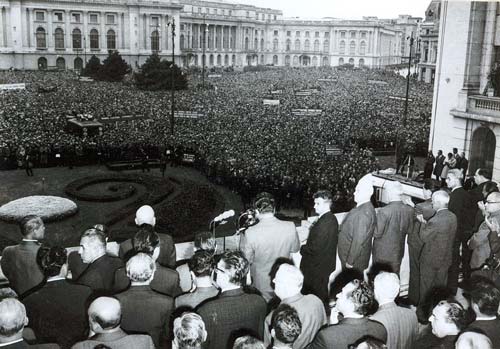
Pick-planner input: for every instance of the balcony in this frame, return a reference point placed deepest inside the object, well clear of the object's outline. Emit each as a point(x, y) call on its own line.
point(480, 108)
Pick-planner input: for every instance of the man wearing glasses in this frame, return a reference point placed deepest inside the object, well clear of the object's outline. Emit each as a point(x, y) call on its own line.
point(233, 310)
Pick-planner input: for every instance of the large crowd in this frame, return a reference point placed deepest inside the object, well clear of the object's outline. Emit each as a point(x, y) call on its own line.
point(239, 139)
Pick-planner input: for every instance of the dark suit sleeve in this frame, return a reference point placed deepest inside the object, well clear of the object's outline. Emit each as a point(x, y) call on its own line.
point(428, 233)
point(317, 235)
point(76, 265)
point(121, 282)
point(381, 225)
point(360, 228)
point(170, 253)
point(318, 342)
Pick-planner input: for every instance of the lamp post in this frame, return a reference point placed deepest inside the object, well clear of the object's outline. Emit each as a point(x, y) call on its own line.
point(172, 81)
point(203, 57)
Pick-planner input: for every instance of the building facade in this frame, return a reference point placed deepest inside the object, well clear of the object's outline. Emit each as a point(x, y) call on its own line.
point(466, 113)
point(62, 34)
point(428, 42)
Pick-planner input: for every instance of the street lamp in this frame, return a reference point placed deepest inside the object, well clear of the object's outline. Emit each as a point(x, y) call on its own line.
point(172, 82)
point(205, 31)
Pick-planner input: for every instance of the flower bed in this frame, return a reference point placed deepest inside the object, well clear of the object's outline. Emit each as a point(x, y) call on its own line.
point(49, 208)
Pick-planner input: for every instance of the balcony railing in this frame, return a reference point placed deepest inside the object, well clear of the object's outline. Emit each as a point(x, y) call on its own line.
point(482, 105)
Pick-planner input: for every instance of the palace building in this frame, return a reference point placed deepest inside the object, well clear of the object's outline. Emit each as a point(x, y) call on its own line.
point(60, 34)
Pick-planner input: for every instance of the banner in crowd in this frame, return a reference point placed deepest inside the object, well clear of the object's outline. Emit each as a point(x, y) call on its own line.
point(115, 118)
point(20, 86)
point(377, 82)
point(276, 92)
point(271, 101)
point(188, 158)
point(328, 80)
point(188, 114)
point(400, 98)
point(214, 75)
point(306, 92)
point(307, 112)
point(333, 151)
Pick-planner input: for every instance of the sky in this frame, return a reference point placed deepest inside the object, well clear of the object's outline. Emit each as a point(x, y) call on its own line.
point(345, 9)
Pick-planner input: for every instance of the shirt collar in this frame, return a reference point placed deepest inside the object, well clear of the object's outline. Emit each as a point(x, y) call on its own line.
point(486, 318)
point(456, 188)
point(56, 278)
point(30, 240)
point(9, 343)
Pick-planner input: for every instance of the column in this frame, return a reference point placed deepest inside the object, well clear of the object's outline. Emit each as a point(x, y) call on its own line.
point(85, 32)
point(2, 31)
point(488, 50)
point(50, 31)
point(222, 39)
point(103, 44)
point(68, 42)
point(163, 32)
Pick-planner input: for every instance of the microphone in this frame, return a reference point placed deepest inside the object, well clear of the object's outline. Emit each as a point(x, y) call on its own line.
point(224, 215)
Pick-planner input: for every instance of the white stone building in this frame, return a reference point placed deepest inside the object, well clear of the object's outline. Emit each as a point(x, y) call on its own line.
point(463, 116)
point(428, 43)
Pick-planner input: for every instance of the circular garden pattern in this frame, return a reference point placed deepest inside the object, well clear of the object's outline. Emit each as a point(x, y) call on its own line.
point(49, 208)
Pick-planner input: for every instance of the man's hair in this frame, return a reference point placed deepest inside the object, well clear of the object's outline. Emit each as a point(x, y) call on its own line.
point(486, 296)
point(140, 268)
point(105, 324)
point(146, 240)
point(389, 284)
point(441, 197)
point(189, 331)
point(30, 224)
point(95, 236)
point(265, 203)
point(291, 274)
point(486, 173)
point(370, 342)
point(7, 292)
point(431, 184)
point(455, 314)
point(362, 297)
point(202, 263)
point(472, 339)
point(51, 259)
point(236, 265)
point(323, 194)
point(248, 342)
point(490, 187)
point(456, 173)
point(286, 324)
point(205, 241)
point(12, 317)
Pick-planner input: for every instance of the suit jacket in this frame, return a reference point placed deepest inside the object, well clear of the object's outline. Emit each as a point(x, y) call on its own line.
point(480, 244)
point(347, 332)
point(438, 236)
point(117, 340)
point(25, 345)
point(414, 242)
point(401, 325)
point(146, 311)
point(320, 252)
point(165, 281)
point(233, 310)
point(490, 328)
point(262, 244)
point(100, 274)
point(57, 312)
point(355, 238)
point(394, 221)
point(167, 255)
point(439, 165)
point(460, 205)
point(20, 267)
point(195, 298)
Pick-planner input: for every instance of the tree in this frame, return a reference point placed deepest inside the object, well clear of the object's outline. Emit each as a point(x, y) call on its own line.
point(114, 68)
point(156, 74)
point(92, 67)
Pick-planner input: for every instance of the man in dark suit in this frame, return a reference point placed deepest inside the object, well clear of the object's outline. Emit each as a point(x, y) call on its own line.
point(104, 317)
point(145, 215)
point(144, 310)
point(354, 303)
point(356, 231)
point(12, 321)
point(266, 241)
point(485, 299)
point(394, 222)
point(234, 309)
point(439, 165)
point(100, 271)
point(58, 309)
point(165, 280)
point(437, 235)
point(460, 205)
point(19, 262)
point(320, 252)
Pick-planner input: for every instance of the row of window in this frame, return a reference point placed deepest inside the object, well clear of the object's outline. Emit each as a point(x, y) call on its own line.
point(41, 39)
point(224, 12)
point(352, 47)
point(76, 17)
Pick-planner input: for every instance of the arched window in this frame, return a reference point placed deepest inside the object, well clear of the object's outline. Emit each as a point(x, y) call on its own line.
point(211, 60)
point(111, 40)
point(60, 63)
point(42, 63)
point(288, 45)
point(59, 38)
point(352, 48)
point(362, 48)
point(351, 61)
point(326, 46)
point(341, 61)
point(94, 39)
point(482, 149)
point(361, 62)
point(233, 60)
point(246, 44)
point(325, 62)
point(77, 38)
point(78, 63)
point(262, 61)
point(219, 60)
point(307, 45)
point(155, 41)
point(256, 44)
point(41, 41)
point(316, 45)
point(295, 60)
point(275, 44)
point(342, 47)
point(262, 44)
point(181, 41)
point(275, 60)
point(297, 45)
point(287, 61)
point(226, 60)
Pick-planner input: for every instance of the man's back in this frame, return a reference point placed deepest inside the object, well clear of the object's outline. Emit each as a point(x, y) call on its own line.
point(146, 311)
point(263, 243)
point(117, 340)
point(438, 236)
point(490, 328)
point(233, 310)
point(167, 255)
point(19, 266)
point(100, 274)
point(195, 298)
point(347, 332)
point(401, 325)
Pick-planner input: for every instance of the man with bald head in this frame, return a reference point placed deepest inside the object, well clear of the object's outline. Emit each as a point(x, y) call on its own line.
point(438, 236)
point(144, 310)
point(104, 319)
point(12, 321)
point(19, 262)
point(394, 221)
point(401, 323)
point(145, 216)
